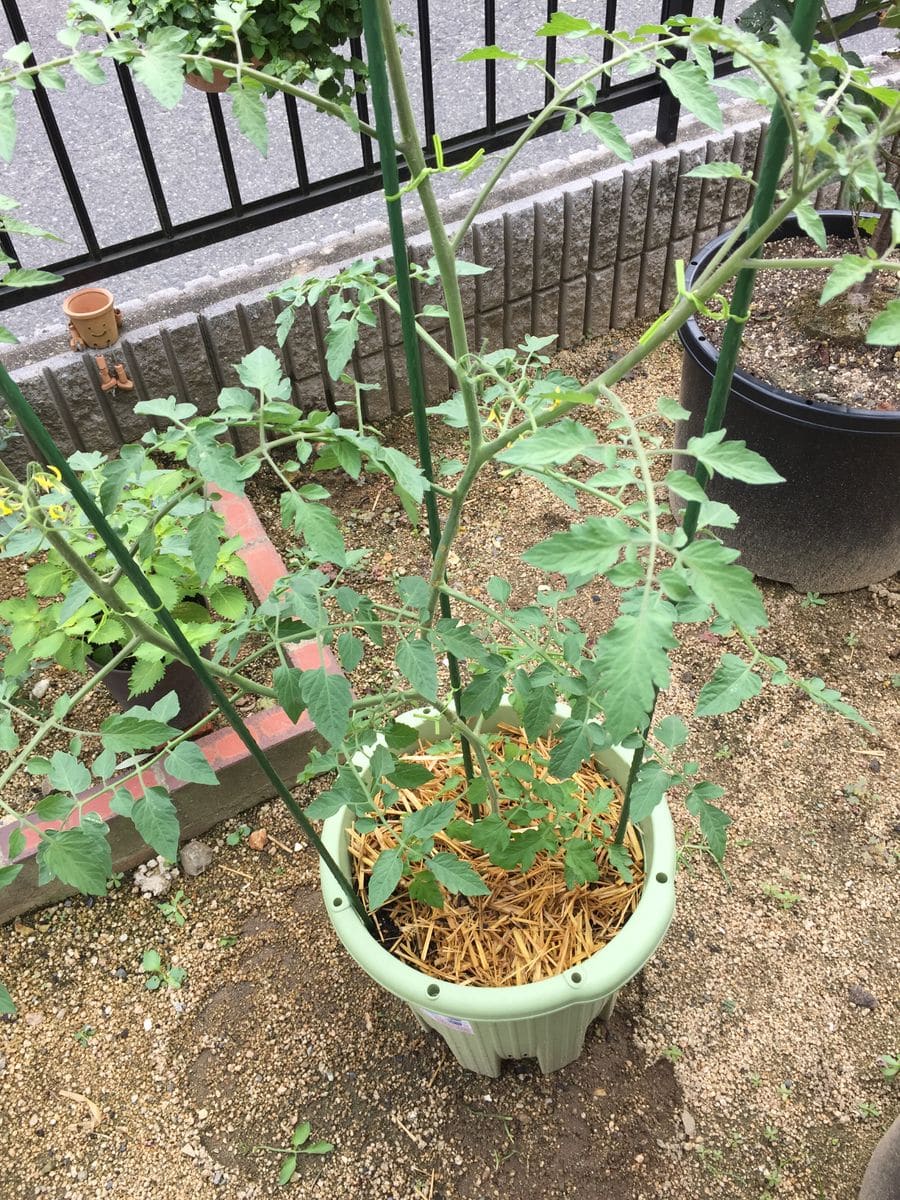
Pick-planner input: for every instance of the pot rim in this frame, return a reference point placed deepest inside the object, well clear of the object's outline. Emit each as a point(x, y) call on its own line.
point(757, 392)
point(87, 314)
point(598, 976)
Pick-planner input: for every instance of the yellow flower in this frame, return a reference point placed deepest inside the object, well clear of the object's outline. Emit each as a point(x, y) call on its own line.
point(7, 504)
point(56, 512)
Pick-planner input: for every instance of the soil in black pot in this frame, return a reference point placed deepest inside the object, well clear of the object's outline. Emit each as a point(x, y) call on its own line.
point(817, 351)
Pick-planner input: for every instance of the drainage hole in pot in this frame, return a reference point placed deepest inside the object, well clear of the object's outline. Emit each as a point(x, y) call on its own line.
point(575, 977)
point(662, 877)
point(337, 901)
point(433, 990)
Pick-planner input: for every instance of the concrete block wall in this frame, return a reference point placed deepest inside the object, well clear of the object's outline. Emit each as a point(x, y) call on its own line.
point(572, 259)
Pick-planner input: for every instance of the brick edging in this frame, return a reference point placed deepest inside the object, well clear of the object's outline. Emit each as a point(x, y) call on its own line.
point(241, 785)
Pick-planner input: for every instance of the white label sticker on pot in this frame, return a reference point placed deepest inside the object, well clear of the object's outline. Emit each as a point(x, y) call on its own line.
point(451, 1022)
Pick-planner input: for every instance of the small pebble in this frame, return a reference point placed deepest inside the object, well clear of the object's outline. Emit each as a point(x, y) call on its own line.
point(861, 997)
point(195, 858)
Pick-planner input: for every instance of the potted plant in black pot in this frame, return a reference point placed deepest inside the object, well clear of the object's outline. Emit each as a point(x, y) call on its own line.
point(815, 391)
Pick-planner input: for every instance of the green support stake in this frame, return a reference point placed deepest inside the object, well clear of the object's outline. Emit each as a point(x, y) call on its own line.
point(50, 453)
point(391, 179)
point(803, 27)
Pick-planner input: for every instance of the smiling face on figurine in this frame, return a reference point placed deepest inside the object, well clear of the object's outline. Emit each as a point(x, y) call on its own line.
point(92, 316)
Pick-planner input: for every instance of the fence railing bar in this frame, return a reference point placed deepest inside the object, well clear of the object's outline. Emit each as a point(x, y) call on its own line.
point(296, 133)
point(145, 150)
point(609, 23)
point(223, 145)
point(57, 141)
point(269, 210)
point(424, 16)
point(6, 245)
point(669, 111)
point(490, 66)
point(362, 111)
point(550, 54)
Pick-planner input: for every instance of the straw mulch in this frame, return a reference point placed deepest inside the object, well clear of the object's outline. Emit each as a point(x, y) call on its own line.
point(531, 926)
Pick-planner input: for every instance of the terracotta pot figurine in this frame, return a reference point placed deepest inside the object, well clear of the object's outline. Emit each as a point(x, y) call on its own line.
point(93, 318)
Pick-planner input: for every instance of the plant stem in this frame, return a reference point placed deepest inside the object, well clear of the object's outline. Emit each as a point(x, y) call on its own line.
point(411, 149)
point(42, 731)
point(390, 177)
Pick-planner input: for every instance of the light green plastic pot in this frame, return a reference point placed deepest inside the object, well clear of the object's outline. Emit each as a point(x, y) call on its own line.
point(546, 1020)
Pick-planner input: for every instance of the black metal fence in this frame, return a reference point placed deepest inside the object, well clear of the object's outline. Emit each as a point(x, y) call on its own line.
point(102, 258)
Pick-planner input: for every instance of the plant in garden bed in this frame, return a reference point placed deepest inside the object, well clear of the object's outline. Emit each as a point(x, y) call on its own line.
point(519, 415)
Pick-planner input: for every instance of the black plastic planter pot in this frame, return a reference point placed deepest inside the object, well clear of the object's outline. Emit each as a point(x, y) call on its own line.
point(194, 699)
point(835, 524)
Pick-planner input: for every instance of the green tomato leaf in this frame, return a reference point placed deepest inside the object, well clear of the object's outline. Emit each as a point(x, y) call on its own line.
point(55, 807)
point(386, 875)
point(415, 660)
point(261, 370)
point(621, 861)
point(80, 858)
point(647, 791)
point(288, 685)
point(811, 223)
point(135, 731)
point(689, 85)
point(459, 640)
point(572, 747)
point(7, 1007)
point(424, 887)
point(885, 329)
point(603, 126)
point(424, 823)
point(288, 1170)
point(582, 551)
point(162, 74)
point(490, 834)
point(328, 699)
point(188, 762)
point(632, 661)
point(732, 459)
point(846, 273)
point(205, 533)
point(156, 820)
point(734, 682)
point(718, 580)
point(538, 712)
point(553, 445)
point(717, 170)
point(68, 774)
point(350, 650)
point(580, 864)
point(714, 822)
point(29, 277)
point(457, 876)
point(250, 114)
point(672, 732)
point(410, 775)
point(8, 875)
